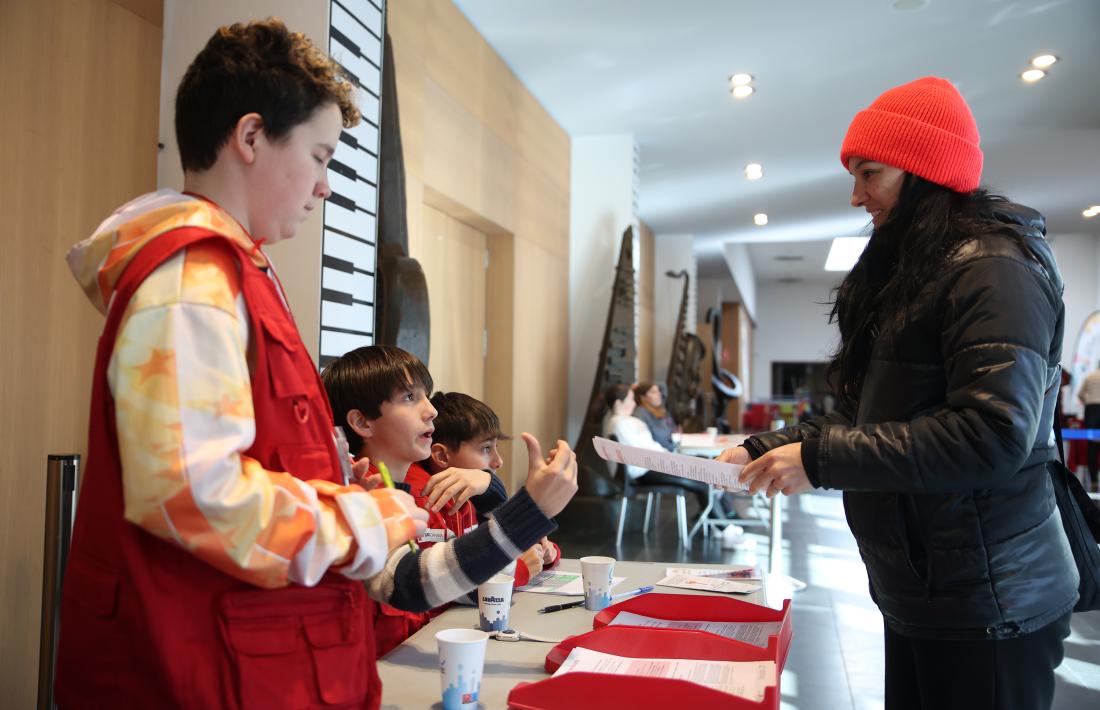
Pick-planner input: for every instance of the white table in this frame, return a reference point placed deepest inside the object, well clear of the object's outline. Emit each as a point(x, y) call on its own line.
point(410, 673)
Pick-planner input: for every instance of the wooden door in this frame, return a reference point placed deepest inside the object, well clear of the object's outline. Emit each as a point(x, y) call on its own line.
point(454, 258)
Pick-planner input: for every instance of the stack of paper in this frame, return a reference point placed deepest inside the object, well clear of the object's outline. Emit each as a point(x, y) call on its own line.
point(746, 679)
point(753, 632)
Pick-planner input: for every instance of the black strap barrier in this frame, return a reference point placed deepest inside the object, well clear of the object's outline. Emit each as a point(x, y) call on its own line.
point(62, 473)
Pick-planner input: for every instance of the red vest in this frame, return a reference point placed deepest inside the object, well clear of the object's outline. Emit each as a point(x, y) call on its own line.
point(146, 624)
point(393, 625)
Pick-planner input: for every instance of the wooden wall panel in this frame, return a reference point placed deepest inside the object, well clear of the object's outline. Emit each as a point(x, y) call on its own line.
point(78, 131)
point(479, 147)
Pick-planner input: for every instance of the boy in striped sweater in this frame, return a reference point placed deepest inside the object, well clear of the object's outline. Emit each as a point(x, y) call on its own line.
point(467, 432)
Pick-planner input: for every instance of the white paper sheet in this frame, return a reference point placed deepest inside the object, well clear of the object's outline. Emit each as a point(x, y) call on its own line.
point(744, 573)
point(709, 584)
point(754, 632)
point(697, 469)
point(566, 583)
point(746, 679)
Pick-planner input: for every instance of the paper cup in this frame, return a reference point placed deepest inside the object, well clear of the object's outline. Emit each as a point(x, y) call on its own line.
point(461, 658)
point(596, 574)
point(494, 598)
point(712, 431)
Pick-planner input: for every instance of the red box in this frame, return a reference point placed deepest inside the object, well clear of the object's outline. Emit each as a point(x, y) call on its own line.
point(684, 607)
point(574, 690)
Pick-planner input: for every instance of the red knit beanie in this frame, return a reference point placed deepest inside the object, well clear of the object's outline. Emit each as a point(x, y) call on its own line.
point(923, 127)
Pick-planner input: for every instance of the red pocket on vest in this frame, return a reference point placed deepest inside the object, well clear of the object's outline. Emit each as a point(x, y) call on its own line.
point(314, 640)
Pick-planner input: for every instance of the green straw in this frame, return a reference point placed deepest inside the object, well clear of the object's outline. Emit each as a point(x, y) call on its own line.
point(387, 481)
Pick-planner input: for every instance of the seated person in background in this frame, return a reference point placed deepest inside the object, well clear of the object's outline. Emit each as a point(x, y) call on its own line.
point(464, 444)
point(380, 395)
point(629, 430)
point(651, 409)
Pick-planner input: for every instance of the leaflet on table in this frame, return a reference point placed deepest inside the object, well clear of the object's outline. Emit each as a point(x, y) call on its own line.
point(735, 573)
point(754, 632)
point(709, 584)
point(568, 583)
point(746, 679)
point(697, 469)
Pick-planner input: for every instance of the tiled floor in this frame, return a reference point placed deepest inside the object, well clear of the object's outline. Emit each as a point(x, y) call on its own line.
point(835, 661)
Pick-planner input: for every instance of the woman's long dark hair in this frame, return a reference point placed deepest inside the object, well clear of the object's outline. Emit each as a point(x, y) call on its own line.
point(925, 228)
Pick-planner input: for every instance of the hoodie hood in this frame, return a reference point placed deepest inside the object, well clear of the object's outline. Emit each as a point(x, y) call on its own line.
point(1030, 225)
point(100, 260)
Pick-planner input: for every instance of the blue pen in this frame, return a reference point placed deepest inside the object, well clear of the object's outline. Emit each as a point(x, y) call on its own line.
point(639, 590)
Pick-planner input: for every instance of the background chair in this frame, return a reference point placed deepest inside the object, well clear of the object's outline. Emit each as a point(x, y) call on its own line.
point(630, 489)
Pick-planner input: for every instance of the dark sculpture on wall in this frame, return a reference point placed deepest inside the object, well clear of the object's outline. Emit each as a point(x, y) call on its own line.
point(683, 367)
point(616, 364)
point(402, 314)
point(727, 386)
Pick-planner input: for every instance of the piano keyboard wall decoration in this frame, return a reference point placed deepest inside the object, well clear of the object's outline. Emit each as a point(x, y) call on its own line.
point(349, 240)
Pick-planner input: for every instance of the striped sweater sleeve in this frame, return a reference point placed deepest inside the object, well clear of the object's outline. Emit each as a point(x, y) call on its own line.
point(180, 380)
point(444, 572)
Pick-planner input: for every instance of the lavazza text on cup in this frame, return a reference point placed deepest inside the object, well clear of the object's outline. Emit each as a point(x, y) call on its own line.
point(494, 598)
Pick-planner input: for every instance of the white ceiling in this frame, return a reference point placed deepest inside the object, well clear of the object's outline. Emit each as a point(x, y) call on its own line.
point(658, 69)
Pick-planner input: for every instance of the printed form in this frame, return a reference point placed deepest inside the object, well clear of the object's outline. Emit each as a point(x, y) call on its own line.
point(709, 584)
point(746, 679)
point(732, 573)
point(705, 470)
point(752, 632)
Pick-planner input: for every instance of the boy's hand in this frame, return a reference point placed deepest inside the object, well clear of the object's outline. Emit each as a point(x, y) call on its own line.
point(532, 559)
point(456, 485)
point(548, 554)
point(550, 484)
point(360, 474)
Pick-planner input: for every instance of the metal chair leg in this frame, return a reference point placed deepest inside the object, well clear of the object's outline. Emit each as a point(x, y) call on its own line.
point(648, 511)
point(681, 519)
point(622, 522)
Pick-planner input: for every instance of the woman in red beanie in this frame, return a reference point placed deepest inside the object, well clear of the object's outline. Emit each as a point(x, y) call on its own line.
point(947, 372)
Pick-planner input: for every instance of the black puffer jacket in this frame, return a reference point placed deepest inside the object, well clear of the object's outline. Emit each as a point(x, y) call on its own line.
point(943, 466)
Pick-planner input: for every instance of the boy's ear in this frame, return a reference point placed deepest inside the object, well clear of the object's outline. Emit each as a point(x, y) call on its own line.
point(359, 423)
point(245, 134)
point(440, 456)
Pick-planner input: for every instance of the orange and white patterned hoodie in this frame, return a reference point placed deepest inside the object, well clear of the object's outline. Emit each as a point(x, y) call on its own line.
point(179, 375)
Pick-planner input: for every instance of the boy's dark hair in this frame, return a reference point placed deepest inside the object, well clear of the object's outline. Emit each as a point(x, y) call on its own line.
point(462, 418)
point(259, 67)
point(365, 378)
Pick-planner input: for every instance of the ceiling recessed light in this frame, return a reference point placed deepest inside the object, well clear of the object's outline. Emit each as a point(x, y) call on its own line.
point(1033, 75)
point(1090, 212)
point(1043, 61)
point(844, 253)
point(754, 171)
point(760, 219)
point(740, 79)
point(740, 92)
